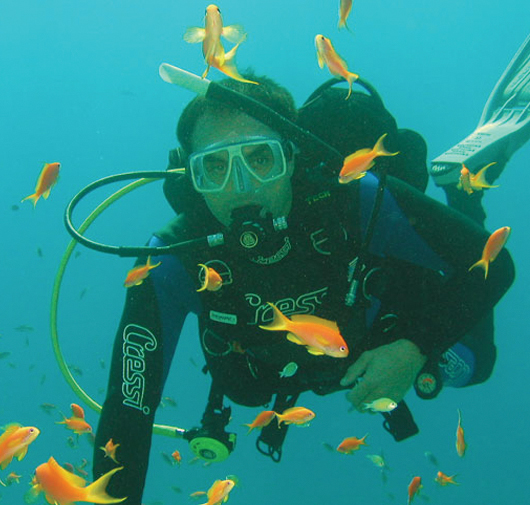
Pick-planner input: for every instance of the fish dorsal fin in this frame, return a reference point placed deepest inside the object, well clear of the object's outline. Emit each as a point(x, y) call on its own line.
point(365, 150)
point(290, 410)
point(211, 490)
point(65, 474)
point(304, 318)
point(9, 430)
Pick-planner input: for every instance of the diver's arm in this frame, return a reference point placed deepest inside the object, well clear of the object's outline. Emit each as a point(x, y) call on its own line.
point(427, 233)
point(133, 394)
point(143, 349)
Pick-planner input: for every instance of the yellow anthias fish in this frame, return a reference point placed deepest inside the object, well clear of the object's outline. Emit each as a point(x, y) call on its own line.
point(211, 280)
point(351, 444)
point(15, 441)
point(138, 274)
point(344, 11)
point(47, 180)
point(444, 480)
point(261, 420)
point(64, 488)
point(461, 445)
point(296, 415)
point(212, 48)
point(326, 55)
point(219, 491)
point(469, 182)
point(110, 450)
point(357, 164)
point(320, 336)
point(494, 244)
point(381, 405)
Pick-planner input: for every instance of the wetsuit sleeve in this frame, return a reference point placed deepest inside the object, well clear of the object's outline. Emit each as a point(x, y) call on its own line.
point(421, 232)
point(143, 348)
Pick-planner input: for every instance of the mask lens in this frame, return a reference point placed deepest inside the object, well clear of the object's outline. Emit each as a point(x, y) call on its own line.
point(260, 159)
point(215, 168)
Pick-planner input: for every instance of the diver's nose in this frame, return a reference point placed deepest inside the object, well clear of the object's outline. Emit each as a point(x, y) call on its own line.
point(241, 176)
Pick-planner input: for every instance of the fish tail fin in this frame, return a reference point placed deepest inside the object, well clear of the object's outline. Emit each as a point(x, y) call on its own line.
point(351, 78)
point(228, 67)
point(481, 263)
point(480, 177)
point(151, 265)
point(279, 321)
point(96, 491)
point(343, 24)
point(204, 268)
point(34, 198)
point(380, 149)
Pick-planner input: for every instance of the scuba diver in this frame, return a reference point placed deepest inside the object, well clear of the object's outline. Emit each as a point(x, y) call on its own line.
point(386, 263)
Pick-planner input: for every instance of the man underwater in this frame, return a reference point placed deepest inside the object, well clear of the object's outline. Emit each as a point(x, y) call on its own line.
point(387, 264)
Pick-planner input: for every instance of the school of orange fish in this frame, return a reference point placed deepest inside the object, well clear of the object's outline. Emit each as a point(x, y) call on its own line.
point(64, 485)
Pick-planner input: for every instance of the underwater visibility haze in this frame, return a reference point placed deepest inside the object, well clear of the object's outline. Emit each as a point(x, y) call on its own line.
point(80, 85)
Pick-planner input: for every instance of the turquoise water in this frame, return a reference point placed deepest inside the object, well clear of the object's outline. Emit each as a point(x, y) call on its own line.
point(79, 84)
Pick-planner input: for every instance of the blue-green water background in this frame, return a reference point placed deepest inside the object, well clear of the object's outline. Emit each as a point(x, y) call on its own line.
point(79, 84)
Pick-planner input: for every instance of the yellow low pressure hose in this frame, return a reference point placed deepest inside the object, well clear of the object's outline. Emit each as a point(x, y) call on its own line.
point(169, 431)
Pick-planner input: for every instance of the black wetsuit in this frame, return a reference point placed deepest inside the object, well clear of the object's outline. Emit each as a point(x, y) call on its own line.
point(416, 286)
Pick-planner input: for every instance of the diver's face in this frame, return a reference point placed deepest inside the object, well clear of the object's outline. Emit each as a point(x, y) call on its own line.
point(274, 196)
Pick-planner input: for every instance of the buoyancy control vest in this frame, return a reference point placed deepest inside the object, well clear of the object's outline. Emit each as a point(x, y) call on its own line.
point(302, 270)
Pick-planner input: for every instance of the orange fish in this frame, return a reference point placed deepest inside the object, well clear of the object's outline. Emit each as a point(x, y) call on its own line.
point(351, 444)
point(177, 457)
point(444, 480)
point(357, 164)
point(211, 280)
point(219, 491)
point(47, 179)
point(212, 48)
point(262, 419)
point(493, 247)
point(414, 488)
point(320, 336)
point(296, 415)
point(461, 445)
point(344, 12)
point(138, 274)
point(326, 55)
point(61, 487)
point(77, 422)
point(15, 441)
point(110, 450)
point(469, 182)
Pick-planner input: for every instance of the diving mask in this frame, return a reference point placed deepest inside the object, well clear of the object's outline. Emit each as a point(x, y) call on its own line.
point(237, 166)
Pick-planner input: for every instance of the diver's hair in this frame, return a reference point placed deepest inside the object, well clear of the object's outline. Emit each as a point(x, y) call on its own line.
point(267, 92)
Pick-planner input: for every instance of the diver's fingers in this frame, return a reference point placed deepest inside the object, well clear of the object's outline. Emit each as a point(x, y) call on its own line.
point(356, 370)
point(358, 394)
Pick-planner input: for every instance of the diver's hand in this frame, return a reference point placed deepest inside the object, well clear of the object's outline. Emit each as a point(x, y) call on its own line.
point(385, 372)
